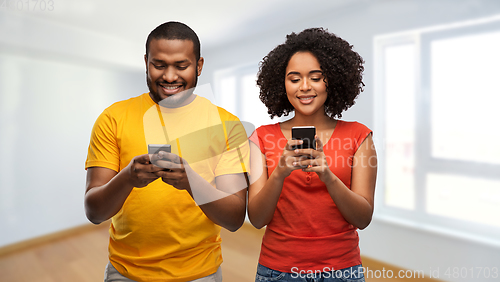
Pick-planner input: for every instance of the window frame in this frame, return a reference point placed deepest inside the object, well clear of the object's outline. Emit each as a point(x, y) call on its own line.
point(425, 163)
point(239, 73)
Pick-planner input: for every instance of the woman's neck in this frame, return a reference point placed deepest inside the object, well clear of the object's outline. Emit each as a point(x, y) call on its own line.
point(319, 121)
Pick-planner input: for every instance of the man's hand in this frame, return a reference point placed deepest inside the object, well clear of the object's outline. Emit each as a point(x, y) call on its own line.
point(173, 170)
point(141, 172)
point(224, 205)
point(107, 189)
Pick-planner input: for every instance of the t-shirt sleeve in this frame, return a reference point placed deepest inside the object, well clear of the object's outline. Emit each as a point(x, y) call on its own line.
point(360, 132)
point(256, 139)
point(103, 148)
point(235, 158)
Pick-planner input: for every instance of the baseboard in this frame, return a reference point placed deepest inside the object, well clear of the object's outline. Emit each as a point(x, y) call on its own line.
point(388, 269)
point(19, 246)
point(368, 263)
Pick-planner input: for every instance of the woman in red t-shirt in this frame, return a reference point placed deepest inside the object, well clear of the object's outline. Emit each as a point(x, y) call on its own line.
point(312, 201)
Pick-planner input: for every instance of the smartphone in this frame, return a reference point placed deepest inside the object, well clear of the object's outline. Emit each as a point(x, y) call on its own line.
point(155, 148)
point(306, 134)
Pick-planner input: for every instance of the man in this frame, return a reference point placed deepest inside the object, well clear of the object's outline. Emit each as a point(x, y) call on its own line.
point(167, 208)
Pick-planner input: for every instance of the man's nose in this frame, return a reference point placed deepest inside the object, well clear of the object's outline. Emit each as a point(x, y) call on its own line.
point(170, 74)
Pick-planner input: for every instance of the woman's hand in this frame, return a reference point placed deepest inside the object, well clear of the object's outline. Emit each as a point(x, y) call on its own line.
point(290, 158)
point(317, 162)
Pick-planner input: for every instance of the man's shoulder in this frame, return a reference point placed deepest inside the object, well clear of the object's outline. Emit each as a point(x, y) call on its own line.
point(223, 113)
point(124, 105)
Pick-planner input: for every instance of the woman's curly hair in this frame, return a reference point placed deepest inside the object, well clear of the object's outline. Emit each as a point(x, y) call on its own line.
point(341, 66)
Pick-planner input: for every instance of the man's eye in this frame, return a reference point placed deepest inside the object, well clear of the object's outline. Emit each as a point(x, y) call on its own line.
point(159, 67)
point(182, 67)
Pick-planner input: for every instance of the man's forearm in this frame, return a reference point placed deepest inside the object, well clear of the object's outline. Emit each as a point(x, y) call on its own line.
point(103, 202)
point(224, 205)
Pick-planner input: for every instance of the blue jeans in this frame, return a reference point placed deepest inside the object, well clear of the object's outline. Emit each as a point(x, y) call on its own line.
point(112, 275)
point(350, 274)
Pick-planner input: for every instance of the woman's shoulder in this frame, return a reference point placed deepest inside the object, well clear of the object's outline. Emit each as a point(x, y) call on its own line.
point(353, 125)
point(268, 127)
point(265, 132)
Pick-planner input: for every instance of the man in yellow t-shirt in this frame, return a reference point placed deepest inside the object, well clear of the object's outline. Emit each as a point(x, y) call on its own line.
point(167, 208)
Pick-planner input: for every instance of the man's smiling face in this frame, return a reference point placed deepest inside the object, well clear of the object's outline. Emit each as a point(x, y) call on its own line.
point(172, 71)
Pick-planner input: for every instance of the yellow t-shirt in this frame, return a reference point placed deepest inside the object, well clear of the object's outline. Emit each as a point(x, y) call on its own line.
point(160, 234)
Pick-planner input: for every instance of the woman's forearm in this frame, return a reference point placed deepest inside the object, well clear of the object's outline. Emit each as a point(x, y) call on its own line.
point(262, 206)
point(356, 209)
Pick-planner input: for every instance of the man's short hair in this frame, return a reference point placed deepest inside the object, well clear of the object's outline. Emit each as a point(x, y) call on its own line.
point(175, 30)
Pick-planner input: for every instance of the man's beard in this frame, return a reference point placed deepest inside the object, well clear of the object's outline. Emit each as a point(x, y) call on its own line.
point(172, 101)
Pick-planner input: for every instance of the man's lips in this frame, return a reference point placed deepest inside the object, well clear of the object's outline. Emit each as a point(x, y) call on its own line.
point(170, 89)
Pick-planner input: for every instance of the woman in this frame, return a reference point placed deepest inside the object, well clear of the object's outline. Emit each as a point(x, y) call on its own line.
point(312, 201)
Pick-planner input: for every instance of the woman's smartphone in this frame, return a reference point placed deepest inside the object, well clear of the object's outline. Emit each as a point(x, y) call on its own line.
point(306, 134)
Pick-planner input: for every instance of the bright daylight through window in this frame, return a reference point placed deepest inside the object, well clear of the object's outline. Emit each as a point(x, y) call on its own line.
point(438, 124)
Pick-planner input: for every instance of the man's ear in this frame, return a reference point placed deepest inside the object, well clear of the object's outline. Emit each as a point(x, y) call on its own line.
point(199, 65)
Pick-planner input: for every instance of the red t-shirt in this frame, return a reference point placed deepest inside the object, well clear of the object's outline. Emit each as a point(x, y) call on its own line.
point(307, 231)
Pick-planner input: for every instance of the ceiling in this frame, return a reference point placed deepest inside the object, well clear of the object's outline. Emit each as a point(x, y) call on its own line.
point(216, 22)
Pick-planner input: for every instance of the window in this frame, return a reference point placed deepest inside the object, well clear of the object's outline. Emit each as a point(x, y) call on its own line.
point(236, 91)
point(438, 122)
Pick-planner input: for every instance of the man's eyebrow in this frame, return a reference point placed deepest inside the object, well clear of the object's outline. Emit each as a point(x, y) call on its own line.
point(177, 62)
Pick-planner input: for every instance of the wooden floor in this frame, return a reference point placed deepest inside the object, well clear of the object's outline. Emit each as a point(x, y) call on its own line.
point(81, 255)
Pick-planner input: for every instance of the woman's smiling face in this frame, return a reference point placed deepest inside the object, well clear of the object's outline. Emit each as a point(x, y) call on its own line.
point(305, 84)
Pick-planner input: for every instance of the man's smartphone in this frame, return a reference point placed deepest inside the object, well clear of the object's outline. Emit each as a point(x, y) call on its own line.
point(306, 134)
point(155, 148)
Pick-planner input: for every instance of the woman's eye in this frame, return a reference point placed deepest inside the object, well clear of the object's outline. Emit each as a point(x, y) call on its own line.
point(294, 80)
point(316, 79)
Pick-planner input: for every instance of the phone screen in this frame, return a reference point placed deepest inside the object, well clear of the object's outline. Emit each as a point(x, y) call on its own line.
point(306, 134)
point(155, 148)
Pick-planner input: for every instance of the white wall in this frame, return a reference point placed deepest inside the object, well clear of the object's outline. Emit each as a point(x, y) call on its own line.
point(394, 243)
point(54, 82)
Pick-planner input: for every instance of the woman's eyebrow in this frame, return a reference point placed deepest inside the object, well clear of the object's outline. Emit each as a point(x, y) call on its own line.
point(311, 72)
point(316, 71)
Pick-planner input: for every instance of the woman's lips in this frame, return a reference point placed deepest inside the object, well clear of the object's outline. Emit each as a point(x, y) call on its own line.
point(305, 100)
